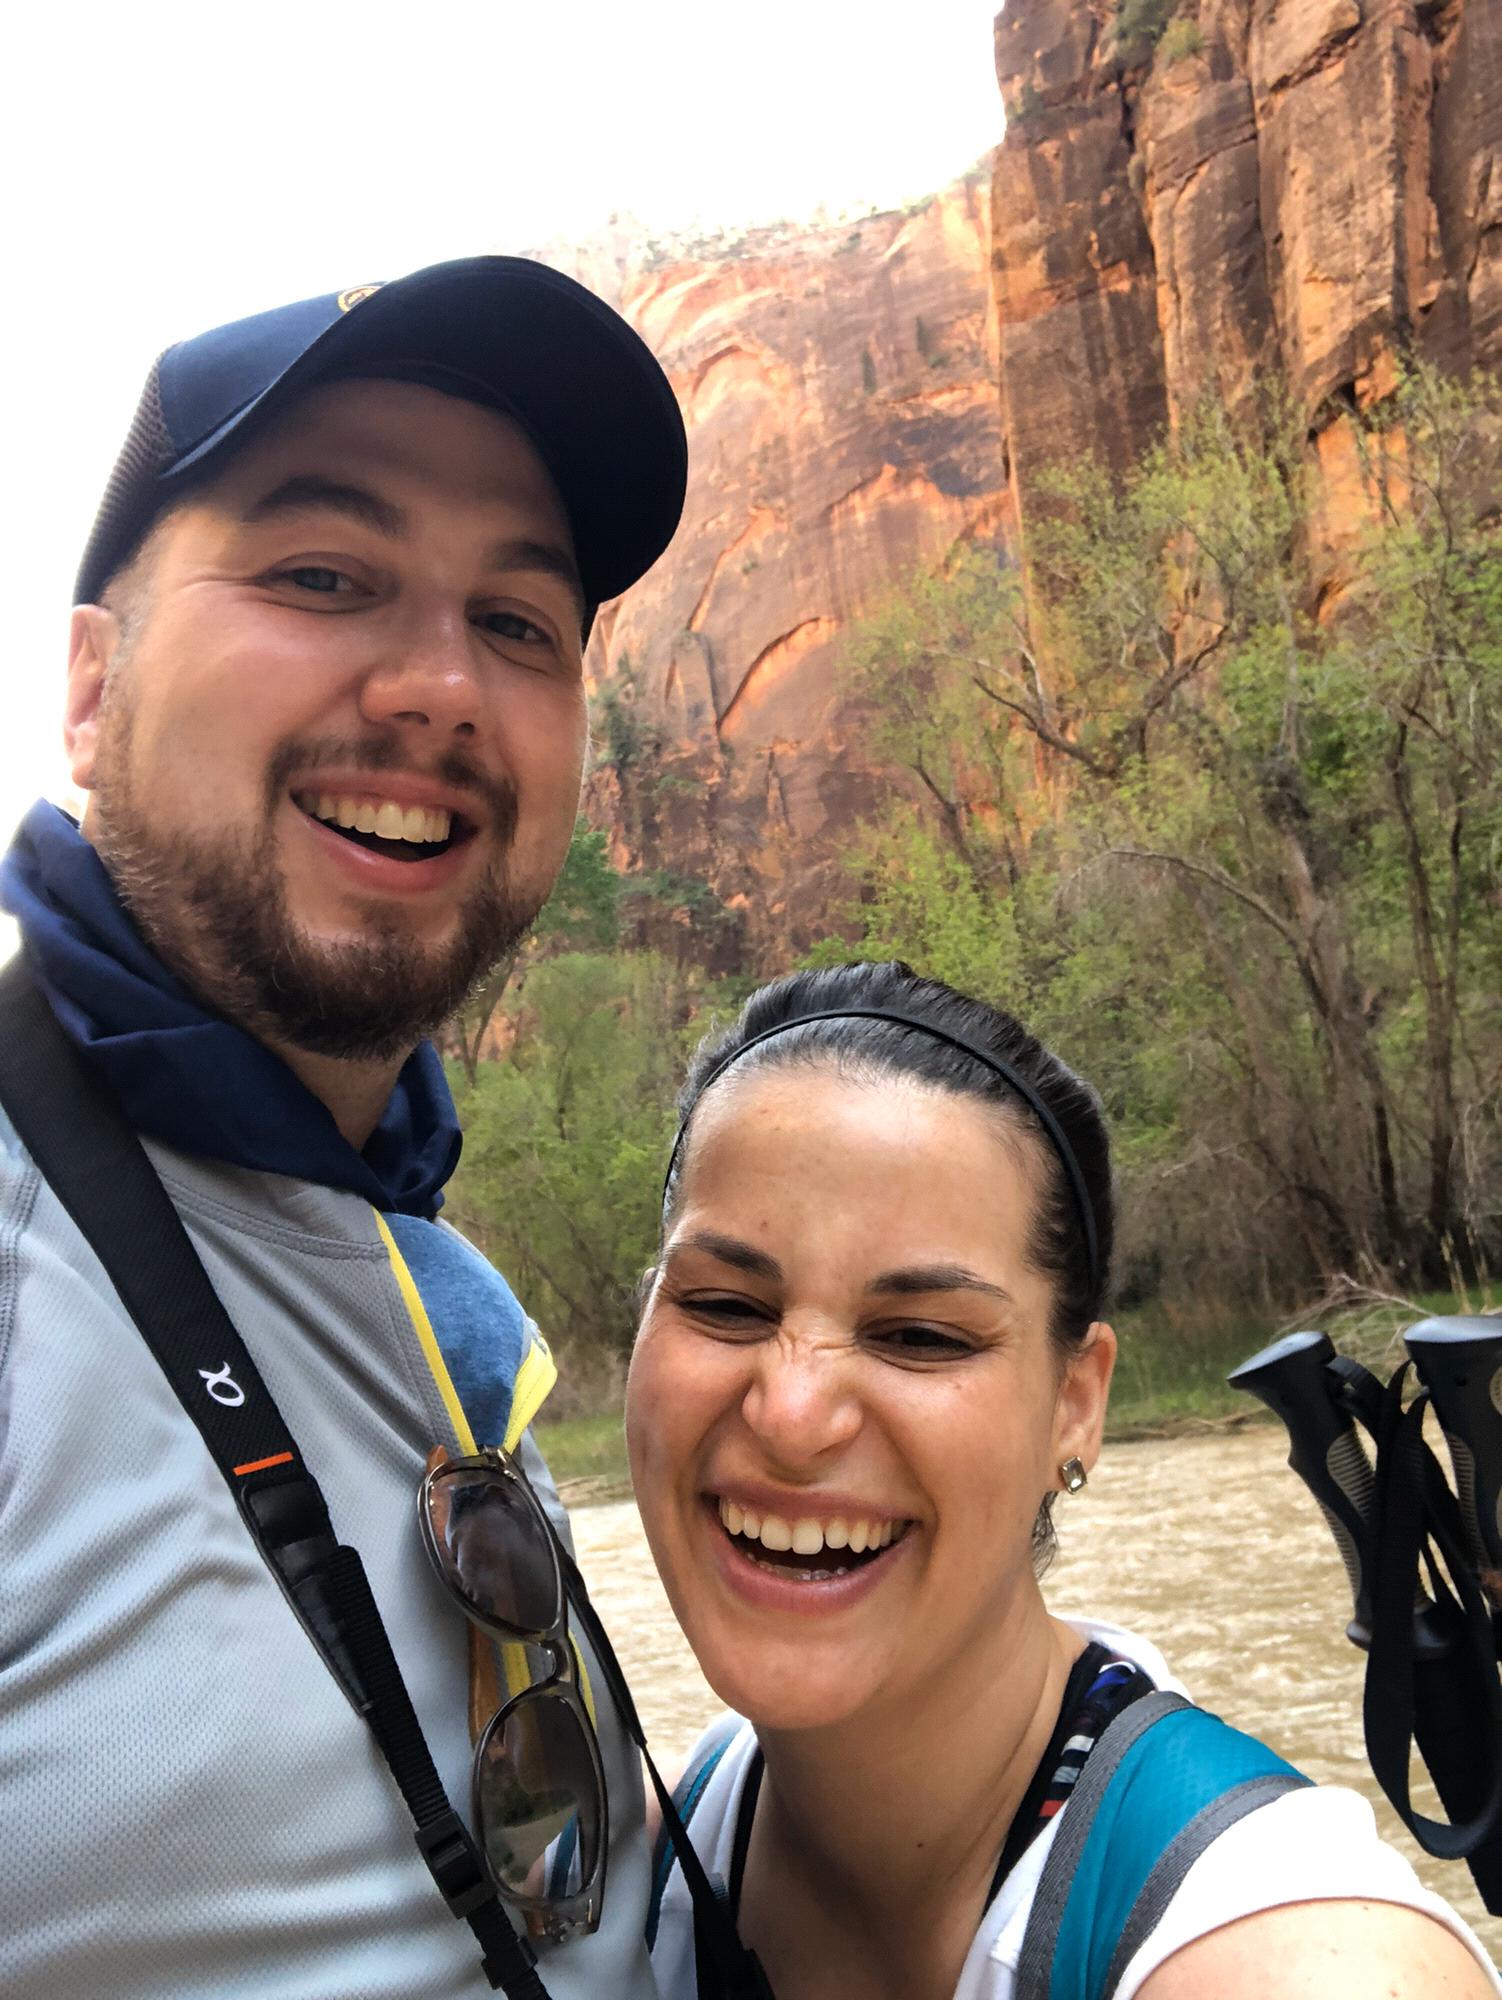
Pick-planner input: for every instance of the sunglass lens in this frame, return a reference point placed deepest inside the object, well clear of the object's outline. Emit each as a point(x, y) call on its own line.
point(538, 1800)
point(493, 1549)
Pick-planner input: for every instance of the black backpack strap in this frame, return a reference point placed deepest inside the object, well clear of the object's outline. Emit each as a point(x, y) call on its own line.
point(99, 1171)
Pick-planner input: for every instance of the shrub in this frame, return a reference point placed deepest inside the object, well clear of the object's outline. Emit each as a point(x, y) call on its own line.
point(1181, 38)
point(1137, 27)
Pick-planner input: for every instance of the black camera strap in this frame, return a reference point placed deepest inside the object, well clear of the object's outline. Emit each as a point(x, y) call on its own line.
point(100, 1172)
point(725, 1969)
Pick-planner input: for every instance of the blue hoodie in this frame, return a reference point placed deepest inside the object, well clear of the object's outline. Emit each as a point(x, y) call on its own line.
point(185, 1075)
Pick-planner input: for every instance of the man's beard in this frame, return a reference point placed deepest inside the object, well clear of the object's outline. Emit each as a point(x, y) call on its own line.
point(215, 911)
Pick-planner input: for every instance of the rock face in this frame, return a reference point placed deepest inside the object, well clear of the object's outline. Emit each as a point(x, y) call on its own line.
point(840, 391)
point(1304, 187)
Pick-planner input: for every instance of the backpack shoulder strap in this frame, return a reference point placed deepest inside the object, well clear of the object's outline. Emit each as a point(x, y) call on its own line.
point(686, 1796)
point(1164, 1780)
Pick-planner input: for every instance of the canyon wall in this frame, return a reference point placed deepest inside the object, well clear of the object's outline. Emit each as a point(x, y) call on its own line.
point(1248, 191)
point(839, 385)
point(1300, 189)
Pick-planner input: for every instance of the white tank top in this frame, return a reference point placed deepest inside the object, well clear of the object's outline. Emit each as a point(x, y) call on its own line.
point(1315, 1844)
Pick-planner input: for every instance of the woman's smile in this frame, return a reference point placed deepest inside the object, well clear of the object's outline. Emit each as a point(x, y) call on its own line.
point(802, 1562)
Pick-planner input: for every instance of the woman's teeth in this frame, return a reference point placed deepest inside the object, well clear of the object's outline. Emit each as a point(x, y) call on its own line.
point(807, 1537)
point(422, 825)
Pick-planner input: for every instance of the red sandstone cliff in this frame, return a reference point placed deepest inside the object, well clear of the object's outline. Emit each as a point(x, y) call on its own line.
point(840, 390)
point(1312, 191)
point(1296, 188)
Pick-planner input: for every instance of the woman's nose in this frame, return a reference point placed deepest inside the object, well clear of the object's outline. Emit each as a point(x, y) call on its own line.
point(800, 1404)
point(427, 675)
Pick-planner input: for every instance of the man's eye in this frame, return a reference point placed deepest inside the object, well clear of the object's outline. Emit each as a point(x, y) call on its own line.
point(316, 577)
point(512, 625)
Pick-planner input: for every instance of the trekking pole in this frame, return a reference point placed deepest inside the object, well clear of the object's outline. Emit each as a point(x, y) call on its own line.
point(1459, 1361)
point(1315, 1392)
point(1292, 1378)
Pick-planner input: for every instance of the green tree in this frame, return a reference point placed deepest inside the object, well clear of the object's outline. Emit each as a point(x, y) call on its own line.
point(566, 1141)
point(580, 915)
point(1137, 25)
point(1243, 860)
point(925, 904)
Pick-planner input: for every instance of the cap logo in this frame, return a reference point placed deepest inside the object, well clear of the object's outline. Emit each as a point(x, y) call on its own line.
point(351, 298)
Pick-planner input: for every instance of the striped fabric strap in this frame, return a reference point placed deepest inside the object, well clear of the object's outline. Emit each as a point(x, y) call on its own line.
point(1102, 1699)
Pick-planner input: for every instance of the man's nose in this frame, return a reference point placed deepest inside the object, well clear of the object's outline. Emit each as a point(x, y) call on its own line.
point(801, 1403)
point(427, 674)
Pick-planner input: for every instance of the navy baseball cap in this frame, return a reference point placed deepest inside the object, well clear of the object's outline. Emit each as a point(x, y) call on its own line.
point(504, 331)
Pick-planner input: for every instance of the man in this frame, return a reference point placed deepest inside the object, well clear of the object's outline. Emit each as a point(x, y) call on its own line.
point(325, 695)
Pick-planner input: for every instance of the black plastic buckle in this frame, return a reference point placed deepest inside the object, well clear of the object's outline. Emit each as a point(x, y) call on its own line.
point(454, 1863)
point(290, 1521)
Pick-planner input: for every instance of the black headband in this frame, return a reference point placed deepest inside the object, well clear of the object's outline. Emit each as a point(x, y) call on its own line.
point(1053, 1130)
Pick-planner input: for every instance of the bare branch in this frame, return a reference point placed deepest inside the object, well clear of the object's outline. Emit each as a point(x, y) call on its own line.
point(1098, 767)
point(1217, 878)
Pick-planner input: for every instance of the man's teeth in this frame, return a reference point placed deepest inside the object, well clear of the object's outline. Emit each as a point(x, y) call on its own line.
point(806, 1537)
point(422, 825)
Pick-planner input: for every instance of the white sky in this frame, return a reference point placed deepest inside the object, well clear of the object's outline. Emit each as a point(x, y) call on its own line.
point(171, 166)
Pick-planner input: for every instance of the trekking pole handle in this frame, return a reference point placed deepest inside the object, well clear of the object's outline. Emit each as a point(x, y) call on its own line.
point(1325, 1450)
point(1459, 1361)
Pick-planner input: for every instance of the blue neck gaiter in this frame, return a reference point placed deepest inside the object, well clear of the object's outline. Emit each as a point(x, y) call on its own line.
point(187, 1076)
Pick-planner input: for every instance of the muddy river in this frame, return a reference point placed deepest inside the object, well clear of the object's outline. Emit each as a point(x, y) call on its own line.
point(1210, 1546)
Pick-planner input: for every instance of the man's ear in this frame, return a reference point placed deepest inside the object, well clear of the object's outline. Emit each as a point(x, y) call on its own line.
point(1085, 1385)
point(93, 641)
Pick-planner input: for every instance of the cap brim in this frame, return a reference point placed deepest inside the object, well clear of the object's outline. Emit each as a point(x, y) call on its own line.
point(584, 385)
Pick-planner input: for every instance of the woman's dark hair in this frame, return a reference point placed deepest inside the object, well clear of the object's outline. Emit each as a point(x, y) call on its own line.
point(1059, 1246)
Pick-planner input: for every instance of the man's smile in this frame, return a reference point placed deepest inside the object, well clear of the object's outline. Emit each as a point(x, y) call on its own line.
point(385, 825)
point(386, 847)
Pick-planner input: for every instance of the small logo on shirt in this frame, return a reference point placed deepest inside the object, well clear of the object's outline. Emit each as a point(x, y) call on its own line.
point(223, 1387)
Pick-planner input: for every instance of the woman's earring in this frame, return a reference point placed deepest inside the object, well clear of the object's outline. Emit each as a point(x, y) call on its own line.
point(1072, 1472)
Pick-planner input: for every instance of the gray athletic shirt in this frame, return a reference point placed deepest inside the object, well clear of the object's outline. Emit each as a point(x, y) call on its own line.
point(189, 1808)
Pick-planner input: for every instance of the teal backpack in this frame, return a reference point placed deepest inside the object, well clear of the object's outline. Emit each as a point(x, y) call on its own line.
point(1163, 1781)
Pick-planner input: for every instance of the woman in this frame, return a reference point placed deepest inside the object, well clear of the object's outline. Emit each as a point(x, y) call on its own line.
point(872, 1353)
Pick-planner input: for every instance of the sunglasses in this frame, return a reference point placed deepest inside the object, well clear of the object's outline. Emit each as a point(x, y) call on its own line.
point(538, 1785)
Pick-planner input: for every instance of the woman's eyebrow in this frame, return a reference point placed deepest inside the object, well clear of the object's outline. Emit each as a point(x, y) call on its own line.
point(730, 1250)
point(916, 1279)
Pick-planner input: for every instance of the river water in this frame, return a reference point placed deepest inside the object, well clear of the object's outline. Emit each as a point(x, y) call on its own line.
point(1209, 1546)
